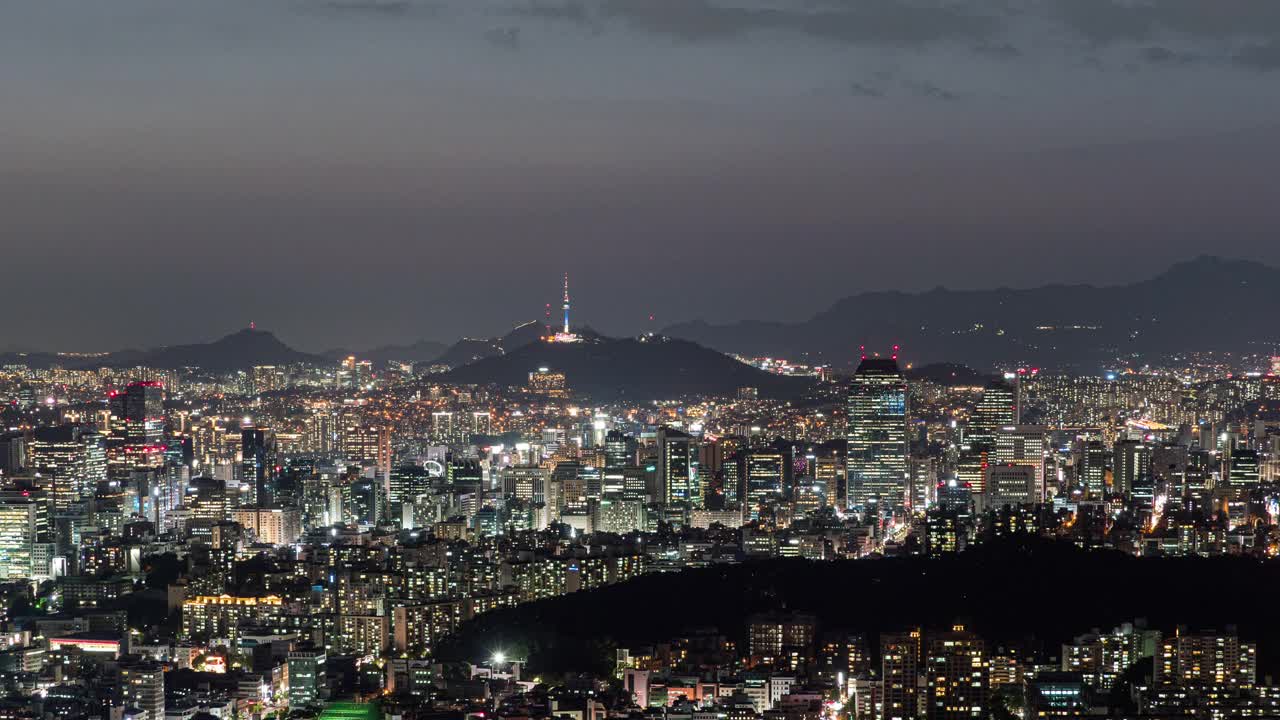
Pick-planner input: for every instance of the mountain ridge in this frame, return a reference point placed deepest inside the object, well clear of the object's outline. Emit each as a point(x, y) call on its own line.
point(629, 368)
point(1052, 325)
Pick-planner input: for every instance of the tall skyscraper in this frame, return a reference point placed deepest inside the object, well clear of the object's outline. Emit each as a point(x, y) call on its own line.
point(900, 666)
point(1092, 469)
point(877, 420)
point(73, 456)
point(1132, 464)
point(615, 450)
point(675, 466)
point(997, 408)
point(137, 417)
point(764, 478)
point(258, 466)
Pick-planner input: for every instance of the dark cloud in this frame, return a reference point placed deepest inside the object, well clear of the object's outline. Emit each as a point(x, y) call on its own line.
point(1258, 56)
point(570, 11)
point(872, 22)
point(1157, 55)
point(860, 90)
point(506, 38)
point(929, 90)
point(1001, 50)
point(1110, 21)
point(380, 7)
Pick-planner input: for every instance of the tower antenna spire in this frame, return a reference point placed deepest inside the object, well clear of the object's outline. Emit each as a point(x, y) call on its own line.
point(566, 303)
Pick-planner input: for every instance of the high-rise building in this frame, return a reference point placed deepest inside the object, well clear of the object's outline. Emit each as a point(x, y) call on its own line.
point(785, 640)
point(144, 424)
point(258, 466)
point(307, 683)
point(404, 484)
point(1131, 465)
point(958, 675)
point(142, 687)
point(615, 450)
point(73, 456)
point(1243, 468)
point(997, 408)
point(877, 426)
point(764, 478)
point(1093, 467)
point(675, 467)
point(1022, 445)
point(900, 667)
point(1206, 659)
point(1010, 484)
point(24, 535)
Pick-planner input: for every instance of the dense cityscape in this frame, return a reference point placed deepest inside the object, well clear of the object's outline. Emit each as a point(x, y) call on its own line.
point(639, 359)
point(308, 539)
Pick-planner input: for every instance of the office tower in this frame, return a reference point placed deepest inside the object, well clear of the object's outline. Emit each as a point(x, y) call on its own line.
point(900, 667)
point(958, 676)
point(362, 502)
point(829, 470)
point(360, 441)
point(1132, 464)
point(615, 450)
point(675, 467)
point(406, 482)
point(1022, 445)
point(764, 478)
point(144, 424)
point(208, 500)
point(465, 475)
point(257, 466)
point(997, 408)
point(74, 456)
point(877, 427)
point(13, 452)
point(307, 682)
point(363, 376)
point(1010, 485)
point(142, 687)
point(24, 535)
point(1243, 467)
point(1093, 466)
point(527, 484)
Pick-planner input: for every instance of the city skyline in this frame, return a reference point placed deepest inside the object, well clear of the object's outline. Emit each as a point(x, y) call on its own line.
point(1211, 267)
point(639, 359)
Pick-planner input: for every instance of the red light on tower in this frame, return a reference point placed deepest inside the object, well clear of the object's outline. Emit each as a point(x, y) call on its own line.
point(863, 350)
point(895, 352)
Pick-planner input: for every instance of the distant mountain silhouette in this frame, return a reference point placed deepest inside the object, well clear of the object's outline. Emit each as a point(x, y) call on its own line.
point(949, 374)
point(237, 351)
point(609, 369)
point(1208, 303)
point(421, 351)
point(469, 350)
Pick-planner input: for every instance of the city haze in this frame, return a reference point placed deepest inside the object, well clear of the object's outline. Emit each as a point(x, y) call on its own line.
point(358, 172)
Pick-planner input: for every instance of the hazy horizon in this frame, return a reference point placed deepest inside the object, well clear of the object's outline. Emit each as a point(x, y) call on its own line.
point(364, 172)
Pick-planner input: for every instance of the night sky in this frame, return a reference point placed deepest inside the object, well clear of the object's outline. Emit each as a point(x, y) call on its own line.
point(357, 172)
